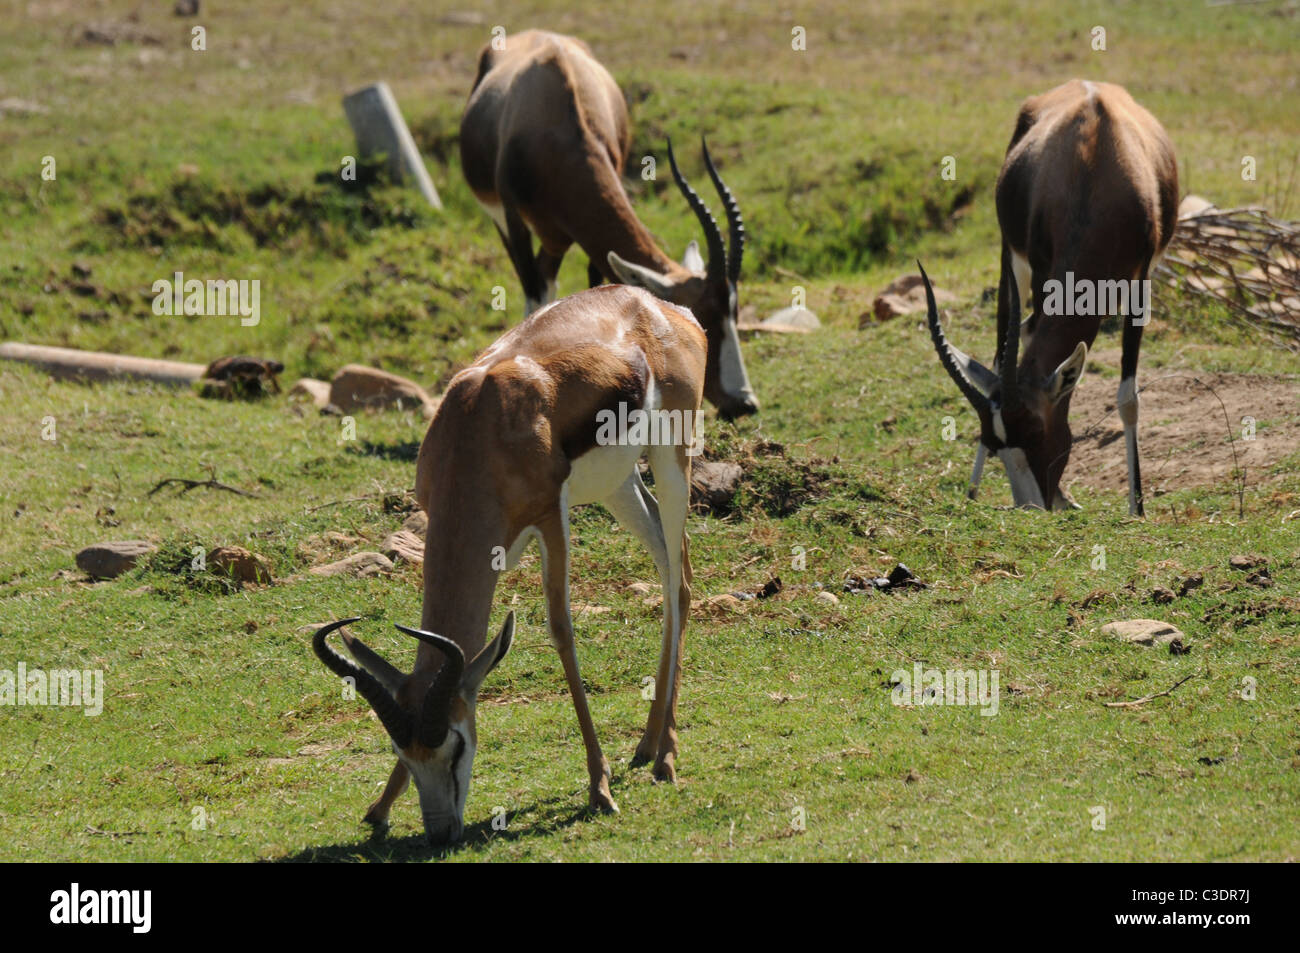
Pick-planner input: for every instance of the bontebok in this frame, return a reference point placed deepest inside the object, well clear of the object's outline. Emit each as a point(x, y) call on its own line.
point(543, 143)
point(1087, 201)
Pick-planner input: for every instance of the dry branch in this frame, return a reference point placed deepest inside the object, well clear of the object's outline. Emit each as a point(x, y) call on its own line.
point(211, 483)
point(1146, 698)
point(1243, 258)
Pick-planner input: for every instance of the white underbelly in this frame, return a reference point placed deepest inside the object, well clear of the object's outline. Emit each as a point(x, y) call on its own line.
point(599, 472)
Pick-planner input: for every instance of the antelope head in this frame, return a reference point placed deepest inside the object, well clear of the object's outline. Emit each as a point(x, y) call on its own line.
point(708, 289)
point(1024, 416)
point(428, 714)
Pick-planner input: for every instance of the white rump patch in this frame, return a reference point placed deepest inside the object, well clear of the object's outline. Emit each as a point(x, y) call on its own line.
point(496, 213)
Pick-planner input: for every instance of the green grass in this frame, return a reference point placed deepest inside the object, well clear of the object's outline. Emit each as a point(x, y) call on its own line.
point(212, 697)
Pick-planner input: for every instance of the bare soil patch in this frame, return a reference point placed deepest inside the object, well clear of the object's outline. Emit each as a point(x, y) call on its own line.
point(1182, 434)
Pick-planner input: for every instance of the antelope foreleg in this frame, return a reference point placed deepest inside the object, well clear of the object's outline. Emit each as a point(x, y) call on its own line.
point(555, 574)
point(397, 782)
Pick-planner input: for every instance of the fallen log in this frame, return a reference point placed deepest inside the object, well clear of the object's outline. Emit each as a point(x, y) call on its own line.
point(70, 363)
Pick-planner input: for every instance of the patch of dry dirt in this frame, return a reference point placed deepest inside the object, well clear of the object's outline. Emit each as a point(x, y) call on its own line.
point(1182, 434)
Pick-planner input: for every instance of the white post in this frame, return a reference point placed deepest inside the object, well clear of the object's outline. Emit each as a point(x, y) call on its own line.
point(378, 125)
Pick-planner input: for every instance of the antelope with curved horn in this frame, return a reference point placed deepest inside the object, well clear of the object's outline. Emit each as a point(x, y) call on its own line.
point(522, 435)
point(542, 142)
point(1087, 199)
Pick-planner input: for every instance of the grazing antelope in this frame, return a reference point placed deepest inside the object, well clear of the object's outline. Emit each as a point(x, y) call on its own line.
point(542, 142)
point(520, 437)
point(1087, 198)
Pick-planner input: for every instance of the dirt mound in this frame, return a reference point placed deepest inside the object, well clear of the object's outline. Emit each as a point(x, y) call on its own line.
point(1182, 433)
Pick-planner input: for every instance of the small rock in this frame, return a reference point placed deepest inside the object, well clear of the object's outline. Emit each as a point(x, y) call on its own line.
point(714, 484)
point(642, 588)
point(240, 565)
point(726, 600)
point(1143, 632)
point(1178, 647)
point(900, 575)
point(1261, 579)
point(828, 597)
point(904, 295)
point(110, 560)
point(361, 565)
point(1248, 561)
point(186, 8)
point(317, 391)
point(404, 546)
point(1194, 581)
point(357, 387)
point(786, 321)
point(417, 523)
point(1161, 596)
point(770, 588)
point(913, 776)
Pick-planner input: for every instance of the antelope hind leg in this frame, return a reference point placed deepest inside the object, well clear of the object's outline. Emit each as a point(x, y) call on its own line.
point(674, 499)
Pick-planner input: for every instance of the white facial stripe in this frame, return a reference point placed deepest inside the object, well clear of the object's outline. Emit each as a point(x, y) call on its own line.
point(442, 785)
point(1024, 488)
point(731, 366)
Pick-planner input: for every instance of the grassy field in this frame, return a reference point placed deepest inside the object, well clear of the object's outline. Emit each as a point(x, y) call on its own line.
point(224, 163)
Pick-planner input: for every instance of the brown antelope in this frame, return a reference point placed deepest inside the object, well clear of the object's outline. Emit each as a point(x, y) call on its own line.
point(1088, 199)
point(542, 142)
point(519, 438)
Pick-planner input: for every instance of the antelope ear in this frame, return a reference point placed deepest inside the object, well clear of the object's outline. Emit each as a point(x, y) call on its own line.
point(641, 277)
point(1065, 377)
point(489, 658)
point(693, 259)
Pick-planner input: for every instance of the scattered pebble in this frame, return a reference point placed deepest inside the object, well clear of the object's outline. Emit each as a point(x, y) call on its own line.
point(1143, 632)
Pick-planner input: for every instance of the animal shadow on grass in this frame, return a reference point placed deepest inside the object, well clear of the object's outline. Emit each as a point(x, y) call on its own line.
point(378, 847)
point(406, 451)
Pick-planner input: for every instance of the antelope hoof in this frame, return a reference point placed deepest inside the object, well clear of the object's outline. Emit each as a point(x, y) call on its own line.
point(645, 753)
point(376, 818)
point(665, 769)
point(601, 799)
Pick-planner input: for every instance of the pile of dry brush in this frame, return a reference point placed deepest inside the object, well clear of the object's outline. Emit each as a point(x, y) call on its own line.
point(1242, 257)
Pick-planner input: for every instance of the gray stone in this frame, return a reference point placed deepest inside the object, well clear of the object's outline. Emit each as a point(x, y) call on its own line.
point(714, 483)
point(360, 565)
point(404, 546)
point(1143, 632)
point(110, 560)
point(379, 127)
point(357, 387)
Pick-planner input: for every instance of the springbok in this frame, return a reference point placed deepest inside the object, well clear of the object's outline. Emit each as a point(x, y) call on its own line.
point(522, 435)
point(543, 141)
point(1087, 199)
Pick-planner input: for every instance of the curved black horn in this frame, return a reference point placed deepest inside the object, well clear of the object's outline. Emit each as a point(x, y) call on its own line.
point(946, 357)
point(735, 224)
point(717, 262)
point(437, 700)
point(1011, 346)
point(393, 717)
